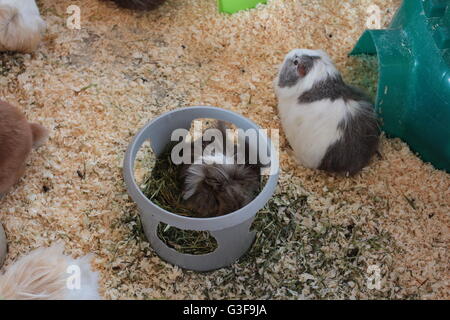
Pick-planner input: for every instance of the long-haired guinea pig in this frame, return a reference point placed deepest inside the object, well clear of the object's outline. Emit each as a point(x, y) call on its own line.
point(330, 125)
point(219, 184)
point(48, 274)
point(21, 26)
point(142, 5)
point(17, 138)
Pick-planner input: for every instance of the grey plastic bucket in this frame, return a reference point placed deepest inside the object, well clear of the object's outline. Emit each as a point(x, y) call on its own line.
point(232, 231)
point(2, 245)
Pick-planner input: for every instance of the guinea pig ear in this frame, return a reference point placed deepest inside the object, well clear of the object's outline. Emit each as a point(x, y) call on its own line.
point(302, 70)
point(305, 65)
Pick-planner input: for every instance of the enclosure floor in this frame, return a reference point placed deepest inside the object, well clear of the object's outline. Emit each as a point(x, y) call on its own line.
point(96, 87)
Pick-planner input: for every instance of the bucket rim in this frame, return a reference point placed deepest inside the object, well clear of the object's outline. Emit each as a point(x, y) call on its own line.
point(237, 217)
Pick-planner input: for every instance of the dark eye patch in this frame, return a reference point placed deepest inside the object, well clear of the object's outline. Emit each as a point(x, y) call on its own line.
point(293, 71)
point(307, 62)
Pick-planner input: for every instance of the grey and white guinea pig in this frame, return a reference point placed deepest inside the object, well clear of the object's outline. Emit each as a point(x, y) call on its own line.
point(216, 187)
point(330, 125)
point(17, 138)
point(21, 26)
point(142, 5)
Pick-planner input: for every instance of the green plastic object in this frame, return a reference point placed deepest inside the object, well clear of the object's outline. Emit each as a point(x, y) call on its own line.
point(232, 6)
point(413, 98)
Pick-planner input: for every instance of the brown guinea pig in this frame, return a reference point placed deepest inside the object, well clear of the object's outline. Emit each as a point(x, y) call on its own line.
point(213, 187)
point(17, 138)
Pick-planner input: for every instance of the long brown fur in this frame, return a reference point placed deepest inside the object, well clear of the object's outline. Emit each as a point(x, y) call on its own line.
point(43, 275)
point(38, 276)
point(221, 189)
point(17, 138)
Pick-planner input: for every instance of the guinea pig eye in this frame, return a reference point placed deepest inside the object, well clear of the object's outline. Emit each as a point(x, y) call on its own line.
point(296, 62)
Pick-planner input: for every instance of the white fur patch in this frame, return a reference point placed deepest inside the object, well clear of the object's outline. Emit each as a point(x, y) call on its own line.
point(311, 128)
point(89, 281)
point(29, 12)
point(218, 158)
point(21, 25)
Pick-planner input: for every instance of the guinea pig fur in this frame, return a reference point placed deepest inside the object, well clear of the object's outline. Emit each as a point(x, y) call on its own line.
point(44, 274)
point(219, 185)
point(142, 5)
point(21, 26)
point(17, 138)
point(330, 125)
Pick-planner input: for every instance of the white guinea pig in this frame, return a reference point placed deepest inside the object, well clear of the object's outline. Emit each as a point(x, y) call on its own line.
point(330, 126)
point(21, 26)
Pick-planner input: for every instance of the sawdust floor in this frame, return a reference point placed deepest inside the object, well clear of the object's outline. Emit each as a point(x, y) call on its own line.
point(95, 87)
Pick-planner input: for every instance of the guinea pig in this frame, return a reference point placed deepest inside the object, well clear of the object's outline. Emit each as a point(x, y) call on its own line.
point(219, 184)
point(48, 274)
point(142, 5)
point(17, 138)
point(330, 125)
point(21, 26)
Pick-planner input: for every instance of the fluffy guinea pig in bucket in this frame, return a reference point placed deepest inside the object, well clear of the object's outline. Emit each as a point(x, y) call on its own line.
point(218, 183)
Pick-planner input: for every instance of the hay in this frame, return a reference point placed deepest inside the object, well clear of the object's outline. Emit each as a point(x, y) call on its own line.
point(364, 74)
point(163, 187)
point(187, 241)
point(183, 54)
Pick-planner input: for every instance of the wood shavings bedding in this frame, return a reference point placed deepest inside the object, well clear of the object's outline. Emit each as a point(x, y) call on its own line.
point(96, 87)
